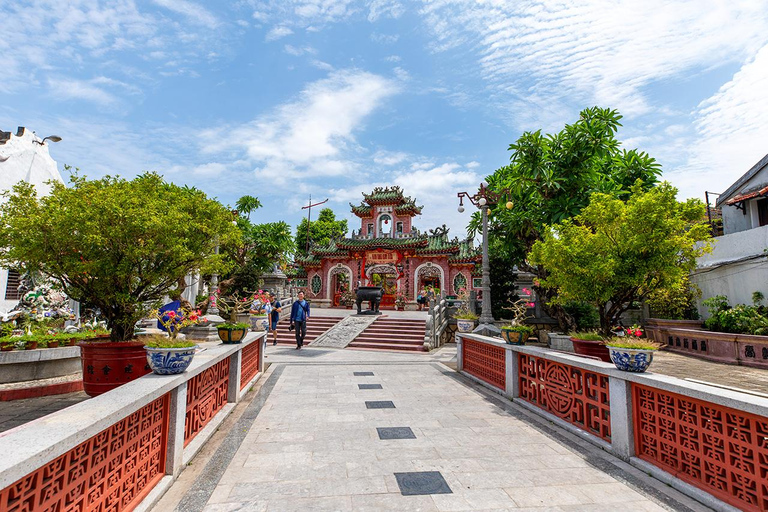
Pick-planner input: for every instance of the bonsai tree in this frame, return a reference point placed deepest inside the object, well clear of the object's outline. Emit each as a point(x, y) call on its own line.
point(115, 244)
point(614, 252)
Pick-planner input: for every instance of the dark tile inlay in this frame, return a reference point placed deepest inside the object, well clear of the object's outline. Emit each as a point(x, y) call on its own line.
point(363, 374)
point(395, 433)
point(422, 482)
point(379, 404)
point(369, 386)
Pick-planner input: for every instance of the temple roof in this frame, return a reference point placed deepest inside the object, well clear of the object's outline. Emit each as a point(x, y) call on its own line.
point(467, 253)
point(382, 196)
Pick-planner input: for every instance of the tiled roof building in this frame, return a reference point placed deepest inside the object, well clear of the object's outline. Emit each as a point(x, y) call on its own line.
point(388, 251)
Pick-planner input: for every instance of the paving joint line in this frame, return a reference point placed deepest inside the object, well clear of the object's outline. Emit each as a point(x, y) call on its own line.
point(195, 499)
point(592, 455)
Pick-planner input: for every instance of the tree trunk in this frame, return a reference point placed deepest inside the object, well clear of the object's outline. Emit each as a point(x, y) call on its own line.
point(121, 328)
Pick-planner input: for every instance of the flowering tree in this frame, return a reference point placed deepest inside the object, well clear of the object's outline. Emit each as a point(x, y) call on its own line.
point(614, 252)
point(114, 244)
point(174, 321)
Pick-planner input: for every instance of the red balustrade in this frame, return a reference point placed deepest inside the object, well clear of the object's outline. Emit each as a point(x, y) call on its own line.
point(484, 361)
point(577, 396)
point(110, 472)
point(206, 395)
point(249, 365)
point(719, 449)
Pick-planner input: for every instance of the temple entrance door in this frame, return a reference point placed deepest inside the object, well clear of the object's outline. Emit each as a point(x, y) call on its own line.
point(389, 284)
point(340, 285)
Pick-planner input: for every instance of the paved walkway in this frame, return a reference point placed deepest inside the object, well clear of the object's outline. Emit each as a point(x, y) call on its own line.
point(314, 436)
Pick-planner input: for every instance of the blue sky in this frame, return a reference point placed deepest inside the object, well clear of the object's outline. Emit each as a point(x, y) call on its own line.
point(282, 99)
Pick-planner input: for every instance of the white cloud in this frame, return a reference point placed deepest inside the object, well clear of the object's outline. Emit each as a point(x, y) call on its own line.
point(191, 10)
point(386, 8)
point(299, 51)
point(209, 169)
point(80, 90)
point(730, 132)
point(393, 58)
point(592, 51)
point(388, 158)
point(312, 136)
point(277, 33)
point(384, 38)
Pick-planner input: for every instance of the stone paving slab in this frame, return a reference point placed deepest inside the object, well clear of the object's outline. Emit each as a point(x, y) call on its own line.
point(19, 412)
point(315, 446)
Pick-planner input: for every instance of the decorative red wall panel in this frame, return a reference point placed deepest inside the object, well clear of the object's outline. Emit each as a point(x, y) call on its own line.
point(110, 472)
point(249, 362)
point(486, 362)
point(577, 396)
point(715, 448)
point(206, 395)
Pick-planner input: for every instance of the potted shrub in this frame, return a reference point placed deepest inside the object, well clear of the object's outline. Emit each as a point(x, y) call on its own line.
point(232, 332)
point(169, 356)
point(465, 319)
point(347, 299)
point(590, 343)
point(517, 333)
point(259, 317)
point(400, 302)
point(630, 353)
point(119, 245)
point(6, 345)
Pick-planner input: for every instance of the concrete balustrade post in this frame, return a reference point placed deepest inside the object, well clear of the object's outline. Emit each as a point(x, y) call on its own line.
point(512, 378)
point(459, 358)
point(235, 370)
point(176, 415)
point(262, 351)
point(622, 425)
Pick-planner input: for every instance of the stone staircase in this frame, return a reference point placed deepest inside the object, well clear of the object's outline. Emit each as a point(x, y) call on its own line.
point(392, 334)
point(316, 326)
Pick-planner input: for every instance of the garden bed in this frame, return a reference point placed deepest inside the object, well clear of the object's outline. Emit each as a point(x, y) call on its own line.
point(29, 365)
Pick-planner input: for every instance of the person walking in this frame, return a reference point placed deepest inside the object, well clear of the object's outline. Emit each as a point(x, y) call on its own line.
point(299, 317)
point(421, 298)
point(274, 317)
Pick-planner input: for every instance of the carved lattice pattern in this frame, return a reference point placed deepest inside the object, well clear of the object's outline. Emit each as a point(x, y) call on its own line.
point(577, 396)
point(110, 472)
point(206, 395)
point(250, 362)
point(459, 282)
point(316, 284)
point(486, 362)
point(715, 448)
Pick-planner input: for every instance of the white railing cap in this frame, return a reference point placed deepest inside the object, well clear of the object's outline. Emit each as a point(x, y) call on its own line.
point(32, 445)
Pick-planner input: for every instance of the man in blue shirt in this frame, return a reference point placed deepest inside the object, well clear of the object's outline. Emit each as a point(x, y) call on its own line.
point(299, 316)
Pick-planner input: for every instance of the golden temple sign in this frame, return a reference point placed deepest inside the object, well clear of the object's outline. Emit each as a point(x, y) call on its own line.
point(377, 257)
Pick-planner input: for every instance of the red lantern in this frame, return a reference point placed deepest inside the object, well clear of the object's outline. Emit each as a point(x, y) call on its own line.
point(386, 221)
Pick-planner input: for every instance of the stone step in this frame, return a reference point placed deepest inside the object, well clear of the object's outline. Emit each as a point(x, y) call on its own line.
point(385, 346)
point(393, 341)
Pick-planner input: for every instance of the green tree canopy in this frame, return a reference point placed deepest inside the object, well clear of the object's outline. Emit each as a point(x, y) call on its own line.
point(116, 244)
point(323, 230)
point(616, 252)
point(247, 204)
point(551, 178)
point(261, 246)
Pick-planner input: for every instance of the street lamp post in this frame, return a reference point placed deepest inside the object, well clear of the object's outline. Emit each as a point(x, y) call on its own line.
point(483, 199)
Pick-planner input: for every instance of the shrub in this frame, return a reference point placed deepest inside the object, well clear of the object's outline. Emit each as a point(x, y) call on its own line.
point(675, 302)
point(238, 325)
point(584, 314)
point(632, 343)
point(586, 335)
point(740, 319)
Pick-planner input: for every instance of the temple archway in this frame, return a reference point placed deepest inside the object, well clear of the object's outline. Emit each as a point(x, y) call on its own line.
point(427, 274)
point(339, 276)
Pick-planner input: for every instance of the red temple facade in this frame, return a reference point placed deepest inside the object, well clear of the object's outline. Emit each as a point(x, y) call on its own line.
point(388, 251)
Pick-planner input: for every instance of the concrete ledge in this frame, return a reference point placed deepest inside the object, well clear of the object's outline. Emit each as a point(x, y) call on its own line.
point(154, 495)
point(37, 443)
point(41, 354)
point(728, 398)
point(250, 384)
point(29, 365)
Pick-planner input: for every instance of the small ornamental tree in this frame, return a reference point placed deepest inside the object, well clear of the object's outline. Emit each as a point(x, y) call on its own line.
point(115, 244)
point(614, 252)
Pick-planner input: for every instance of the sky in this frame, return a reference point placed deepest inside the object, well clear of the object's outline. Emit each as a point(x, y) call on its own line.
point(283, 99)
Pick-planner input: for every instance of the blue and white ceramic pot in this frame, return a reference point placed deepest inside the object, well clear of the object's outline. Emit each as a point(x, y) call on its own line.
point(631, 359)
point(170, 361)
point(514, 337)
point(465, 325)
point(259, 323)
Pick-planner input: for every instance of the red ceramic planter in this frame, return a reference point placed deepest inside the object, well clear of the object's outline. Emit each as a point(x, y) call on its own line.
point(109, 364)
point(591, 348)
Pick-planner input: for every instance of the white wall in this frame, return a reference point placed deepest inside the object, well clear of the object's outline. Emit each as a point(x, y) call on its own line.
point(736, 267)
point(23, 159)
point(734, 220)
